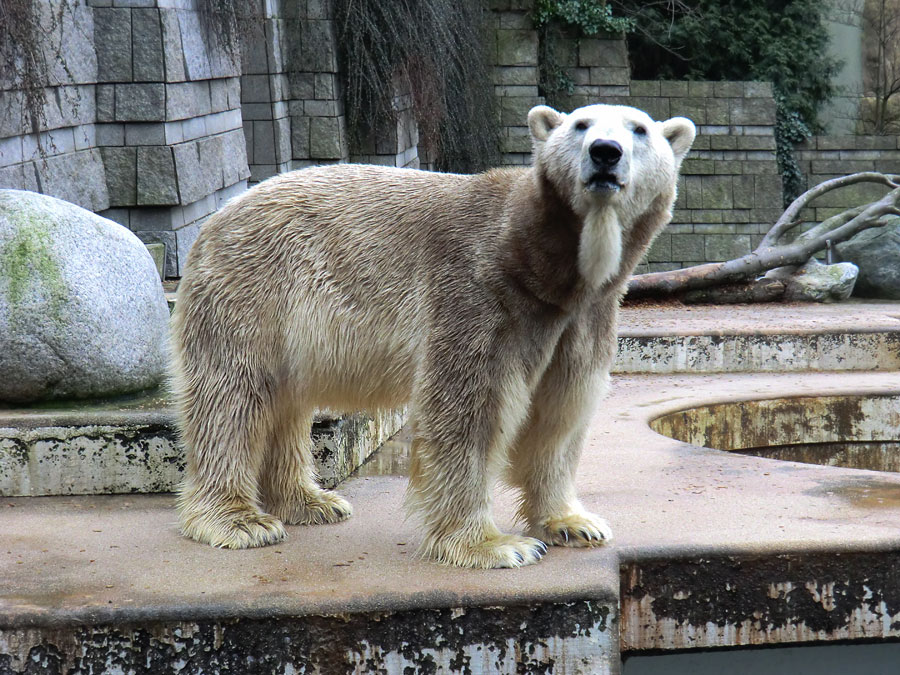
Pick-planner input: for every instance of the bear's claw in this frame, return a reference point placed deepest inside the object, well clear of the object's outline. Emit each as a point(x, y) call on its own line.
point(576, 529)
point(242, 529)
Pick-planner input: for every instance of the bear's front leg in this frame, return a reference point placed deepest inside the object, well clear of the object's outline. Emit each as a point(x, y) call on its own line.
point(544, 457)
point(464, 419)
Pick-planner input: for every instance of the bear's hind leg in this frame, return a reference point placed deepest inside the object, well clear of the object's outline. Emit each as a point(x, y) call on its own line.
point(290, 489)
point(218, 503)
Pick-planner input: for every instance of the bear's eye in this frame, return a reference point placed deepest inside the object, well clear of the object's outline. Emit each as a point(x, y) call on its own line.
point(581, 125)
point(640, 130)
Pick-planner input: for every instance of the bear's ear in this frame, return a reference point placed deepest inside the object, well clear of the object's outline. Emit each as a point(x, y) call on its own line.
point(680, 133)
point(542, 120)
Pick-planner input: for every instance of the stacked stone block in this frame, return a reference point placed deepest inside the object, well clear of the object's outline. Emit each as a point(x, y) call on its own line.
point(729, 193)
point(515, 77)
point(824, 157)
point(265, 93)
point(318, 119)
point(169, 121)
point(62, 158)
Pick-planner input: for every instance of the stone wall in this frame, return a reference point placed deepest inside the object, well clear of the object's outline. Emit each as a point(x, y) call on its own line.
point(825, 157)
point(730, 187)
point(154, 123)
point(144, 125)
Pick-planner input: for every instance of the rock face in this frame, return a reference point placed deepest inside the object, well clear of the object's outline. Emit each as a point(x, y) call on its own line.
point(82, 310)
point(877, 254)
point(815, 282)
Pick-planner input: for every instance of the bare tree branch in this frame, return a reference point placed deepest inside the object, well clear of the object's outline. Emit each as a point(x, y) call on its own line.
point(770, 255)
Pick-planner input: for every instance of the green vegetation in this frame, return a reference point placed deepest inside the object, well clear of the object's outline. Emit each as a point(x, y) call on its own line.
point(439, 49)
point(27, 259)
point(556, 19)
point(781, 41)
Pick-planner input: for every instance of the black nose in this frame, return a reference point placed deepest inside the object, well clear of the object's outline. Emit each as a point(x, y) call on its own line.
point(606, 153)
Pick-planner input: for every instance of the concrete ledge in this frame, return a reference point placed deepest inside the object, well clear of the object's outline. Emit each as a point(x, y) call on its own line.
point(858, 335)
point(131, 446)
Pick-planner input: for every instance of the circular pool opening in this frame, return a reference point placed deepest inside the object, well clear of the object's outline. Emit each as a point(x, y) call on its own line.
point(853, 431)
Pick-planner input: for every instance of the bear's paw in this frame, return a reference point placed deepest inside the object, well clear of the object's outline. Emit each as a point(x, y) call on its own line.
point(498, 551)
point(574, 529)
point(319, 508)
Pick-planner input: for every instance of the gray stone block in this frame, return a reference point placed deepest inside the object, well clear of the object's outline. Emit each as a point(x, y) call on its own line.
point(264, 143)
point(192, 183)
point(720, 247)
point(300, 137)
point(517, 47)
point(11, 151)
point(157, 219)
point(148, 47)
point(174, 54)
point(514, 109)
point(326, 138)
point(112, 40)
point(187, 99)
point(13, 177)
point(688, 247)
point(145, 133)
point(140, 102)
point(282, 129)
point(717, 192)
point(77, 177)
point(184, 239)
point(212, 159)
point(303, 86)
point(218, 95)
point(156, 183)
point(120, 167)
point(196, 56)
point(105, 102)
point(317, 53)
point(255, 89)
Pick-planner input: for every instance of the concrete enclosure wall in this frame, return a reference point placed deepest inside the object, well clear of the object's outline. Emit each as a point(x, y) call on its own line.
point(154, 120)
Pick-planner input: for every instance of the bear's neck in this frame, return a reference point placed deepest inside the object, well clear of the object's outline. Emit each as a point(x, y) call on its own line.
point(544, 246)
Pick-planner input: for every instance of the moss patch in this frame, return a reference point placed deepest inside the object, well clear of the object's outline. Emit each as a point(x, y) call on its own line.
point(28, 260)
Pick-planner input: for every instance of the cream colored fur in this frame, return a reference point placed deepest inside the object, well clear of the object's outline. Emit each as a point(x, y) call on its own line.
point(488, 302)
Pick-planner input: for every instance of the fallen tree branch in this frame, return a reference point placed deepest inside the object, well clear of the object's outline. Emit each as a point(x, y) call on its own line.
point(768, 255)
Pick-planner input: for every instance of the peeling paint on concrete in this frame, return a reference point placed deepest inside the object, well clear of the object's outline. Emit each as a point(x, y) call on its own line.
point(732, 601)
point(758, 353)
point(561, 638)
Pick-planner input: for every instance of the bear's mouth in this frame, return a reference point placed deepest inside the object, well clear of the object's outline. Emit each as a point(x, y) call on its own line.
point(603, 182)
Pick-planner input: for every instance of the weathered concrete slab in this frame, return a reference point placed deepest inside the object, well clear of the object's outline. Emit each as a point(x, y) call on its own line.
point(861, 336)
point(712, 549)
point(131, 446)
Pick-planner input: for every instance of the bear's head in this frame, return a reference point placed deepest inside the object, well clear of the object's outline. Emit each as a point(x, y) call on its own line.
point(611, 164)
point(603, 154)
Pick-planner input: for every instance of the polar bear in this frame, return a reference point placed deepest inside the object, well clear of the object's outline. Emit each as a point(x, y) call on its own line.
point(488, 302)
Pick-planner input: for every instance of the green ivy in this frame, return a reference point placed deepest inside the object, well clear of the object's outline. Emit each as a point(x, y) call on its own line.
point(589, 17)
point(557, 19)
point(780, 41)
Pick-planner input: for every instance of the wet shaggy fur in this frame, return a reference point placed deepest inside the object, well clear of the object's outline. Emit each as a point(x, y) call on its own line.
point(488, 302)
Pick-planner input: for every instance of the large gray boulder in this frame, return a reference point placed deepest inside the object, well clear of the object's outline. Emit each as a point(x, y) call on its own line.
point(82, 310)
point(815, 282)
point(877, 254)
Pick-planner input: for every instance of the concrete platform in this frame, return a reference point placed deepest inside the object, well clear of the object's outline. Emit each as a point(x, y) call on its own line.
point(712, 549)
point(856, 335)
